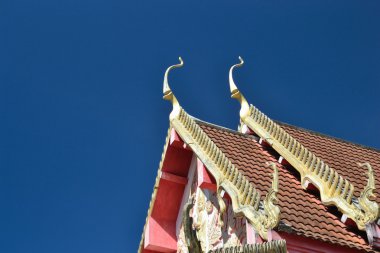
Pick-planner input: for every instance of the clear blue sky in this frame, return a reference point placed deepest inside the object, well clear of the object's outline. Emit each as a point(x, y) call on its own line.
point(82, 118)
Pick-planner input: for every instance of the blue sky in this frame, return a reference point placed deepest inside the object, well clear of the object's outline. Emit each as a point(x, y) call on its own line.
point(83, 122)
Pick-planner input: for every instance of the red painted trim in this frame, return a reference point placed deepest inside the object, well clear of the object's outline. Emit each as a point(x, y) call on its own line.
point(205, 179)
point(176, 141)
point(173, 178)
point(160, 232)
point(177, 161)
point(160, 236)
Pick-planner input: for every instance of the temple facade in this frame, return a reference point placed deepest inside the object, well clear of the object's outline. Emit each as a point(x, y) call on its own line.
point(267, 187)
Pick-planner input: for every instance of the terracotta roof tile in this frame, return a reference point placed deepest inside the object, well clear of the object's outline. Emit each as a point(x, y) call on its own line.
point(301, 211)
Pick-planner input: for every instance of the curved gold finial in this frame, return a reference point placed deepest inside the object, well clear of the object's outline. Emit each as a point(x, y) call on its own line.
point(168, 94)
point(271, 209)
point(235, 93)
point(370, 208)
point(233, 87)
point(167, 91)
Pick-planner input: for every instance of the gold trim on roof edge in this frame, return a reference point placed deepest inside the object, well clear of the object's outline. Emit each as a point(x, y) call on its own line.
point(276, 246)
point(245, 198)
point(334, 189)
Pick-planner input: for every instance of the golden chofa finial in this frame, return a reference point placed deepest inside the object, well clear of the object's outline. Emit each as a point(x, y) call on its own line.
point(168, 94)
point(370, 208)
point(235, 93)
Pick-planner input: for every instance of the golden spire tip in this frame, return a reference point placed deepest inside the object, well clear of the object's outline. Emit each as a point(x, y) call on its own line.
point(235, 93)
point(166, 89)
point(233, 87)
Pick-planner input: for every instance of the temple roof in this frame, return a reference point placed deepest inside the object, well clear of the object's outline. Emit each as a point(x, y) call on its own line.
point(316, 178)
point(302, 212)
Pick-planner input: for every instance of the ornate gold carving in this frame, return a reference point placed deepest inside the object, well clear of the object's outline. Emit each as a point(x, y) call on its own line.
point(271, 210)
point(369, 207)
point(211, 232)
point(235, 93)
point(245, 198)
point(168, 94)
point(222, 205)
point(234, 229)
point(182, 242)
point(208, 228)
point(276, 246)
point(334, 189)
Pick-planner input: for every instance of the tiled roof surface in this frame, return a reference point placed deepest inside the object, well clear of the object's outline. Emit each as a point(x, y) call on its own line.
point(301, 211)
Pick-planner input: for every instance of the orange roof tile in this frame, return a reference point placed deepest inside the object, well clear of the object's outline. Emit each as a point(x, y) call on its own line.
point(302, 212)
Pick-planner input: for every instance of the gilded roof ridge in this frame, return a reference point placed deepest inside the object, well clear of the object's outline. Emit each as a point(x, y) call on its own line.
point(244, 196)
point(334, 188)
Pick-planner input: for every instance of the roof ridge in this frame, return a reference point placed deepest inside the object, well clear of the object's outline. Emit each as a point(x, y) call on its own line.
point(334, 188)
point(245, 197)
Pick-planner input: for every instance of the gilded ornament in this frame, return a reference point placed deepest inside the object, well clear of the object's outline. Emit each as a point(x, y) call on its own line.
point(334, 189)
point(245, 198)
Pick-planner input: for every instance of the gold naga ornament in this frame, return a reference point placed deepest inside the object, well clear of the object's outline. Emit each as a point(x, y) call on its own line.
point(244, 196)
point(334, 189)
